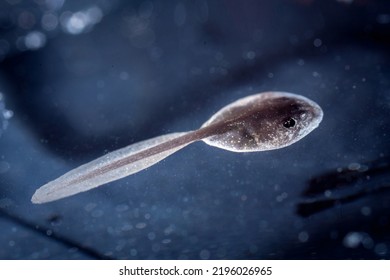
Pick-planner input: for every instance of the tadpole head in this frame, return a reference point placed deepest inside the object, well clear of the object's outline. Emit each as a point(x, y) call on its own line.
point(264, 121)
point(293, 116)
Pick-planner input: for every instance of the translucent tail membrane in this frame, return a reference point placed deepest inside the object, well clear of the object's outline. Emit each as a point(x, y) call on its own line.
point(110, 167)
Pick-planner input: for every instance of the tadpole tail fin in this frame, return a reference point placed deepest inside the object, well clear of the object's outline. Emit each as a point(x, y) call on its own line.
point(108, 168)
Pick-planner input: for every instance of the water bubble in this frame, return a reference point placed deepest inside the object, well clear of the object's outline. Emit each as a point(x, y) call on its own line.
point(90, 206)
point(122, 208)
point(124, 75)
point(249, 55)
point(35, 40)
point(166, 241)
point(352, 239)
point(140, 225)
point(317, 42)
point(81, 21)
point(49, 21)
point(303, 236)
point(204, 254)
point(354, 166)
point(5, 115)
point(151, 236)
point(301, 62)
point(366, 211)
point(133, 252)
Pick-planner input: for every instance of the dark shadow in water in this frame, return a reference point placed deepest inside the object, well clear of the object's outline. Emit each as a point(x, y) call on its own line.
point(307, 209)
point(367, 176)
point(54, 236)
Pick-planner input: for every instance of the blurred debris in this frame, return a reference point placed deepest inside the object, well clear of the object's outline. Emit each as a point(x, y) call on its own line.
point(345, 185)
point(5, 115)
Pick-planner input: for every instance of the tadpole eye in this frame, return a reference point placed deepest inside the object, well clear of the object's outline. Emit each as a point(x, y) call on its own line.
point(290, 122)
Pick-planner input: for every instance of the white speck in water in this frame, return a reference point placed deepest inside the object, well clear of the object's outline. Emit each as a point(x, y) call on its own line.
point(11, 243)
point(249, 55)
point(354, 166)
point(124, 76)
point(147, 216)
point(366, 211)
point(380, 249)
point(270, 75)
point(204, 254)
point(133, 252)
point(122, 208)
point(81, 21)
point(140, 225)
point(317, 42)
point(281, 197)
point(49, 21)
point(180, 14)
point(301, 62)
point(7, 114)
point(166, 241)
point(126, 227)
point(151, 236)
point(303, 236)
point(168, 230)
point(90, 206)
point(316, 74)
point(328, 193)
point(35, 40)
point(352, 239)
point(73, 23)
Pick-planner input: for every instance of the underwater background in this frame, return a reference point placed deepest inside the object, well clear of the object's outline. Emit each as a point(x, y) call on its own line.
point(81, 78)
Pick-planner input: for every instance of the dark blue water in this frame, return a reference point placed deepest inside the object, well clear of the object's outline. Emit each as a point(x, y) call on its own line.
point(79, 79)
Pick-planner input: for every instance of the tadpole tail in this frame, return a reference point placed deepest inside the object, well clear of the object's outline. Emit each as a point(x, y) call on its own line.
point(112, 166)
